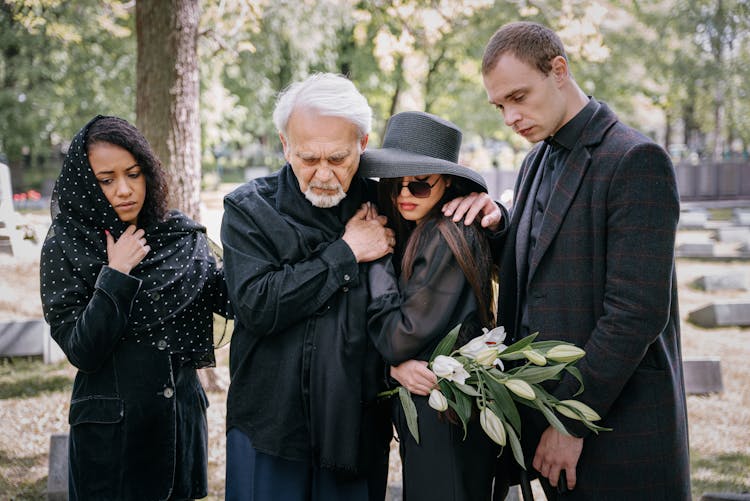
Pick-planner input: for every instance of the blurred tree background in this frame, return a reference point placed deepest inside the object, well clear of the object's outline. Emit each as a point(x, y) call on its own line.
point(676, 69)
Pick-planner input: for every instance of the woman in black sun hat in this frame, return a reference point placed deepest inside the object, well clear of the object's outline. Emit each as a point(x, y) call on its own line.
point(128, 288)
point(440, 275)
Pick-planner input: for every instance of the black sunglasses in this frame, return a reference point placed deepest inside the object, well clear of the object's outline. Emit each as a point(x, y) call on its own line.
point(420, 189)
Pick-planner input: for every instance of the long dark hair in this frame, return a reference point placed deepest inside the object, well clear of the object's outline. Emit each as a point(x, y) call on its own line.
point(114, 130)
point(478, 268)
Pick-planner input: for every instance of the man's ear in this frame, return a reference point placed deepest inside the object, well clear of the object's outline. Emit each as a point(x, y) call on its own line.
point(559, 69)
point(363, 143)
point(285, 146)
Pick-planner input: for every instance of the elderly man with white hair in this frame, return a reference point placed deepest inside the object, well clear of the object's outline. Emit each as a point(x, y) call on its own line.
point(303, 420)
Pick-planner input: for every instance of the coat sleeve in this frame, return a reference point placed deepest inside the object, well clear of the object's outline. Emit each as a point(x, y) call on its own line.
point(642, 215)
point(402, 323)
point(91, 338)
point(269, 295)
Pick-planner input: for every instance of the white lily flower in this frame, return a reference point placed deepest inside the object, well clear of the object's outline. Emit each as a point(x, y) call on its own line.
point(521, 388)
point(495, 337)
point(438, 401)
point(492, 426)
point(473, 347)
point(588, 412)
point(535, 357)
point(490, 339)
point(450, 369)
point(487, 357)
point(565, 353)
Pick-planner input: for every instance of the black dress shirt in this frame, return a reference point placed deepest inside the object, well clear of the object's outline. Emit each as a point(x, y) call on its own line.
point(557, 151)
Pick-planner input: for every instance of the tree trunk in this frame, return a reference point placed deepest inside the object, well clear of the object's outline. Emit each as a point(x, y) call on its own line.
point(167, 106)
point(168, 94)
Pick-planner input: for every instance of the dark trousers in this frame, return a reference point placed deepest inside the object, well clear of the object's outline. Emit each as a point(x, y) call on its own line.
point(443, 465)
point(255, 476)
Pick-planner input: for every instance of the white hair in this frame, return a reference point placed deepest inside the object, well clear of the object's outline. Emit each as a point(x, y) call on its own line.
point(328, 94)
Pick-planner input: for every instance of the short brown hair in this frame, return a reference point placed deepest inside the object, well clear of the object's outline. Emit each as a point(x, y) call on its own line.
point(532, 43)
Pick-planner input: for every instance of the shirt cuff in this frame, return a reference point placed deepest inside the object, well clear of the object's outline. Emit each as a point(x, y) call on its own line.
point(342, 263)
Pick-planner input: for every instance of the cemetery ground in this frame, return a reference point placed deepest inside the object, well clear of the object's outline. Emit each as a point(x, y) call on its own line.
point(34, 397)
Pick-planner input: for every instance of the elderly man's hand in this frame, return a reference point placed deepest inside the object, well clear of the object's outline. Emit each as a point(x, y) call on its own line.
point(474, 204)
point(367, 235)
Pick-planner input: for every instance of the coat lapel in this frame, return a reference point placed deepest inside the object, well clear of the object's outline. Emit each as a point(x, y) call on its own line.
point(564, 191)
point(521, 219)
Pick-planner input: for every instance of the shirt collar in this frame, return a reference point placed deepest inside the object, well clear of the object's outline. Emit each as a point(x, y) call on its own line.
point(569, 133)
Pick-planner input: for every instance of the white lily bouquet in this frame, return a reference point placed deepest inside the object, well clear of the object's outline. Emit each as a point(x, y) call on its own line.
point(474, 374)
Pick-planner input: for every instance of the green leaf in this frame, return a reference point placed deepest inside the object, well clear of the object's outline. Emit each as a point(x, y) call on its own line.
point(551, 418)
point(447, 389)
point(503, 401)
point(445, 347)
point(522, 343)
point(410, 411)
point(546, 345)
point(463, 407)
point(469, 390)
point(532, 374)
point(516, 355)
point(515, 446)
point(576, 374)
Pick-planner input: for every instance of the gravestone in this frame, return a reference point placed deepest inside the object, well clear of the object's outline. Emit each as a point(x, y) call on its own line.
point(702, 375)
point(694, 219)
point(57, 478)
point(722, 315)
point(741, 216)
point(7, 214)
point(24, 338)
point(726, 496)
point(6, 194)
point(695, 250)
point(733, 234)
point(729, 282)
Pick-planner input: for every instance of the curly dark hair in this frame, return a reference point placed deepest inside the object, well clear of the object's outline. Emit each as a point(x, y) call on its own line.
point(120, 132)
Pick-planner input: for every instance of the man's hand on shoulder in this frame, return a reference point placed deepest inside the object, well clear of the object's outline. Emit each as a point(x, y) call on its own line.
point(367, 236)
point(473, 205)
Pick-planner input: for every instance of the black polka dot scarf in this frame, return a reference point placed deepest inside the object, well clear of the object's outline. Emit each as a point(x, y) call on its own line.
point(171, 304)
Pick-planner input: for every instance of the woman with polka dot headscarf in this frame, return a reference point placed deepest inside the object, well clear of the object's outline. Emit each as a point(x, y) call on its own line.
point(128, 288)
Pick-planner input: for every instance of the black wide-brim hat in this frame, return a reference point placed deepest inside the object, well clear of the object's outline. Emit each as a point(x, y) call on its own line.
point(418, 144)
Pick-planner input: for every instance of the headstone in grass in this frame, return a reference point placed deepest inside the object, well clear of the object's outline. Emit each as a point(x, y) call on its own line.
point(57, 478)
point(741, 216)
point(729, 314)
point(719, 283)
point(696, 250)
point(693, 219)
point(28, 338)
point(726, 496)
point(733, 234)
point(702, 375)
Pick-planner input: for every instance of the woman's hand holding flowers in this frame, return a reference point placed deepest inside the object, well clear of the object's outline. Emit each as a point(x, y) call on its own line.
point(415, 377)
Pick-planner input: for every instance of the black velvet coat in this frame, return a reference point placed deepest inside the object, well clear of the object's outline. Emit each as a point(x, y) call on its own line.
point(138, 412)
